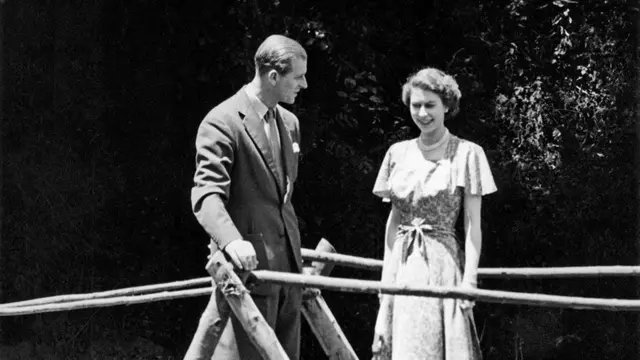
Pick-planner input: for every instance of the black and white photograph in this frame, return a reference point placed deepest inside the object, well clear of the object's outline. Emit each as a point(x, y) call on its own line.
point(307, 180)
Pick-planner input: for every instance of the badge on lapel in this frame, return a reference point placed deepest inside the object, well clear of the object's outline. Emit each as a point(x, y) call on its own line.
point(296, 147)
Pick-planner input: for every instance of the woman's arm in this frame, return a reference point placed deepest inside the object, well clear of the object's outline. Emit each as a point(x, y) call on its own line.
point(389, 268)
point(473, 237)
point(390, 237)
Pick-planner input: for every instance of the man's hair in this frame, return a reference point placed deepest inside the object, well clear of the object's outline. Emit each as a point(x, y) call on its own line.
point(435, 80)
point(276, 53)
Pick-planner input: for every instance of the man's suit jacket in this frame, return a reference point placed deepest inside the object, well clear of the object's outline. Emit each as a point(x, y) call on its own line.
point(235, 194)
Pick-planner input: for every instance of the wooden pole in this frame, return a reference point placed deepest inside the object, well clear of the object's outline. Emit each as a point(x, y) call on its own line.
point(320, 257)
point(96, 303)
point(491, 296)
point(245, 310)
point(325, 326)
point(320, 318)
point(340, 259)
point(348, 285)
point(136, 290)
point(321, 267)
point(487, 273)
point(214, 319)
point(212, 323)
point(558, 272)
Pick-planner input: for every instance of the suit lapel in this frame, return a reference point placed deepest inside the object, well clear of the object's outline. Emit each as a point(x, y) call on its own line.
point(255, 128)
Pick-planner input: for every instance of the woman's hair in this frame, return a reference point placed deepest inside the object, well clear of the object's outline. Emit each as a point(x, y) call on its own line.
point(435, 80)
point(276, 52)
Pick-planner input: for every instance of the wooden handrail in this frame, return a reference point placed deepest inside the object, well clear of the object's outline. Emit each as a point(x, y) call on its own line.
point(491, 296)
point(487, 273)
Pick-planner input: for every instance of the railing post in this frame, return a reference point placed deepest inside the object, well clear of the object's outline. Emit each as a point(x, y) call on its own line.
point(322, 322)
point(231, 295)
point(212, 323)
point(245, 310)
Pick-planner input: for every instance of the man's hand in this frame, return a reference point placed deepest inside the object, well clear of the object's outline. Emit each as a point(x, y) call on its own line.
point(242, 254)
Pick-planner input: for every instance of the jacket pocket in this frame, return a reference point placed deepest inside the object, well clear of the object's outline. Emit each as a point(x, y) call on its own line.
point(257, 240)
point(261, 288)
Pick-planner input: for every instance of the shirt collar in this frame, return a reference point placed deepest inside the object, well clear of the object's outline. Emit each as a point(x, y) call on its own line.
point(260, 108)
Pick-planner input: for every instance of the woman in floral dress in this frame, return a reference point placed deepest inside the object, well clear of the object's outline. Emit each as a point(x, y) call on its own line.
point(428, 180)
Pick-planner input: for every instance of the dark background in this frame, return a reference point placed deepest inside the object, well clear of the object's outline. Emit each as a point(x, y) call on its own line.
point(101, 101)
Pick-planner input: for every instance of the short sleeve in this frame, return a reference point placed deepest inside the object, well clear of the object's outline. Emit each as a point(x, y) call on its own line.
point(474, 173)
point(381, 187)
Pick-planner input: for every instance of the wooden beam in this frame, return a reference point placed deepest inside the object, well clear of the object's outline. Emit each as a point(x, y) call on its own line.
point(320, 318)
point(321, 267)
point(340, 259)
point(212, 323)
point(136, 290)
point(490, 296)
point(347, 285)
point(258, 330)
point(558, 272)
point(106, 302)
point(487, 273)
point(214, 319)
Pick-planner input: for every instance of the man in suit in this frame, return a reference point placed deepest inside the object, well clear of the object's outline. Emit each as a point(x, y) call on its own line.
point(247, 163)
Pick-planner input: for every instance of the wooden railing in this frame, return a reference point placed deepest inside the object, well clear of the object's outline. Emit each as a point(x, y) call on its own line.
point(231, 294)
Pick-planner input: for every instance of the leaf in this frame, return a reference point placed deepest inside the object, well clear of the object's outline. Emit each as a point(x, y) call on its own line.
point(375, 99)
point(350, 83)
point(342, 94)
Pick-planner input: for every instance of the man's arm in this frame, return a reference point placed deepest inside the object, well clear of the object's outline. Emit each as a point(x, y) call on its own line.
point(215, 149)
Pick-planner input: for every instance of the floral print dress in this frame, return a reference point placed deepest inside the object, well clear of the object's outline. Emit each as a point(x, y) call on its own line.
point(429, 195)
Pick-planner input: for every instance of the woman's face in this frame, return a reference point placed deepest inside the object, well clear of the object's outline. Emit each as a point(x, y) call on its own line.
point(427, 110)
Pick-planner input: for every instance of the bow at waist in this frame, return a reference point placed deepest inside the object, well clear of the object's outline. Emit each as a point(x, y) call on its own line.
point(420, 234)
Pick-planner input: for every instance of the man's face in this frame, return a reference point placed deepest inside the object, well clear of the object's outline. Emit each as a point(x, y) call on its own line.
point(287, 86)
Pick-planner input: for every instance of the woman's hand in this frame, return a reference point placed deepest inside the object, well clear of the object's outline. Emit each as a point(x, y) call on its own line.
point(466, 304)
point(381, 347)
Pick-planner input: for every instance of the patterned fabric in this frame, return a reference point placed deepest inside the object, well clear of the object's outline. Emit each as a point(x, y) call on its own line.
point(428, 195)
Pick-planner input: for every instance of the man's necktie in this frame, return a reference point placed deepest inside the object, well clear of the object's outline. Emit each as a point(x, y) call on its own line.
point(272, 135)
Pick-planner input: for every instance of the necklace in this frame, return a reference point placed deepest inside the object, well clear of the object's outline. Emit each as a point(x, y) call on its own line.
point(436, 145)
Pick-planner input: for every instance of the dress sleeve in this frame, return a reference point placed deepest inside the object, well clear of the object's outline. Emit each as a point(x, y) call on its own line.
point(474, 173)
point(382, 187)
